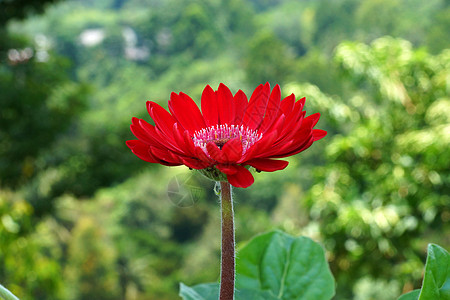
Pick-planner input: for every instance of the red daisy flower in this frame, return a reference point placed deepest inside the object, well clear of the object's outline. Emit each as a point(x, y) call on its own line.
point(229, 136)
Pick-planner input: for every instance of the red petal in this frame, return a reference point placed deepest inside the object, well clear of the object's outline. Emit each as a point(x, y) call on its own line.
point(257, 106)
point(272, 108)
point(181, 142)
point(243, 178)
point(260, 146)
point(139, 132)
point(267, 165)
point(133, 143)
point(186, 112)
point(318, 134)
point(232, 150)
point(169, 142)
point(188, 141)
point(300, 137)
point(300, 149)
point(163, 119)
point(287, 104)
point(193, 163)
point(226, 105)
point(277, 125)
point(202, 156)
point(227, 169)
point(241, 104)
point(165, 156)
point(302, 134)
point(312, 119)
point(141, 150)
point(215, 152)
point(292, 124)
point(164, 125)
point(210, 106)
point(295, 148)
point(302, 102)
point(151, 132)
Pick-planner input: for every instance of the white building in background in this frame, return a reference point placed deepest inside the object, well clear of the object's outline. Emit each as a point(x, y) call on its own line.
point(92, 37)
point(95, 36)
point(132, 51)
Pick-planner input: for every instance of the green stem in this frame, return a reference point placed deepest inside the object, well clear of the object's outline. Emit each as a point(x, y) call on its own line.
point(227, 272)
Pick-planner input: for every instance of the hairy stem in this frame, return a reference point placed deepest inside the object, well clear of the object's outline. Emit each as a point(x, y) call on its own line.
point(227, 272)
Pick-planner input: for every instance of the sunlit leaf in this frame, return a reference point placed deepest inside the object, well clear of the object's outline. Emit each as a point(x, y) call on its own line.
point(288, 267)
point(275, 265)
point(206, 291)
point(436, 281)
point(6, 294)
point(210, 291)
point(413, 295)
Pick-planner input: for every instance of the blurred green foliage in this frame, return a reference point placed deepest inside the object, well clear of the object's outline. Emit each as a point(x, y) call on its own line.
point(83, 218)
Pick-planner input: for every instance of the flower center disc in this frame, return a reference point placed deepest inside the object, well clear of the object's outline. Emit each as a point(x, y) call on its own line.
point(220, 134)
point(220, 142)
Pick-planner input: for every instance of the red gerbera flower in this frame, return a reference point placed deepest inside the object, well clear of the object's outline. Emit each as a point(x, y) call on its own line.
point(229, 136)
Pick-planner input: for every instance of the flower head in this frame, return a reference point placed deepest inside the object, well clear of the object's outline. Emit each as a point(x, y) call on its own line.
point(229, 135)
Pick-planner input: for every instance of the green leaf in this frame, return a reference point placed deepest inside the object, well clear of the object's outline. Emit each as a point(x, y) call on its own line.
point(289, 268)
point(206, 291)
point(246, 294)
point(6, 294)
point(210, 291)
point(413, 295)
point(436, 281)
point(275, 266)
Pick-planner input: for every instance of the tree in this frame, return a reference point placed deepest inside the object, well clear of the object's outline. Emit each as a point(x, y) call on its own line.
point(381, 194)
point(268, 59)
